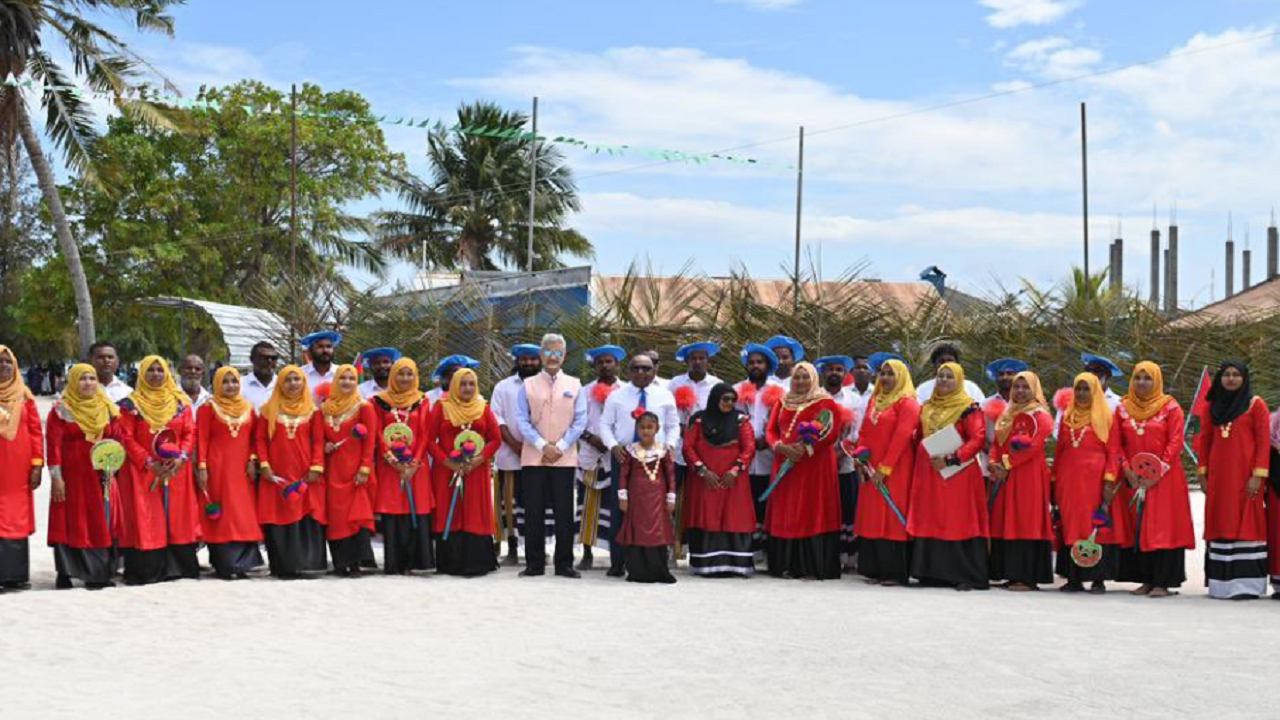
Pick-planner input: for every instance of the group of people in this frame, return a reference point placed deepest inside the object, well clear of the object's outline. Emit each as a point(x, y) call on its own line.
point(812, 469)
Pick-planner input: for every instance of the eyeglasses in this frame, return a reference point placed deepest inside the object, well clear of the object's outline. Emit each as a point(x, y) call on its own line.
point(553, 353)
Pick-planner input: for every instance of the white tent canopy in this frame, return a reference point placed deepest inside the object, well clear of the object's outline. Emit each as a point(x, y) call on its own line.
point(241, 327)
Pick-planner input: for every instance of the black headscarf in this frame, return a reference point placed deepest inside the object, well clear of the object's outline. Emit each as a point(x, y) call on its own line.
point(1224, 405)
point(719, 428)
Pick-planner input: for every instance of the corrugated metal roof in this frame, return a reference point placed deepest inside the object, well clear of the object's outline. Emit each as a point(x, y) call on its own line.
point(1257, 303)
point(242, 327)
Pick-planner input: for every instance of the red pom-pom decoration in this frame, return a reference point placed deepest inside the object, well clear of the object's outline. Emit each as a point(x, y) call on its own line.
point(1100, 519)
point(601, 392)
point(297, 487)
point(686, 398)
point(455, 455)
point(213, 511)
point(1062, 399)
point(635, 414)
point(746, 393)
point(323, 391)
point(773, 395)
point(468, 448)
point(863, 453)
point(994, 408)
point(1020, 442)
point(169, 451)
point(359, 432)
point(848, 379)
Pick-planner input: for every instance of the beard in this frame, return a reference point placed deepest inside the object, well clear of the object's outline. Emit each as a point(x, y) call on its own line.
point(527, 372)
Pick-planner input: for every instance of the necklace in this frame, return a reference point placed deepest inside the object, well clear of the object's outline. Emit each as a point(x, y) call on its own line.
point(336, 421)
point(1077, 439)
point(233, 424)
point(292, 423)
point(1226, 430)
point(646, 456)
point(796, 417)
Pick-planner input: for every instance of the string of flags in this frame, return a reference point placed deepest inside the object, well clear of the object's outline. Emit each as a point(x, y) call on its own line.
point(613, 150)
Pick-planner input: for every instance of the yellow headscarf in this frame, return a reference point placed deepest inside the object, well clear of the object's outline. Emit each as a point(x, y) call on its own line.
point(905, 387)
point(339, 403)
point(301, 406)
point(1144, 408)
point(402, 399)
point(157, 405)
point(1098, 414)
point(13, 395)
point(92, 414)
point(939, 410)
point(794, 400)
point(1004, 425)
point(458, 413)
point(229, 408)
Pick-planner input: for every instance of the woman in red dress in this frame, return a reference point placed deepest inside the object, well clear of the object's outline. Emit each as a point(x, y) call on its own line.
point(81, 531)
point(348, 466)
point(719, 512)
point(1021, 525)
point(406, 526)
point(1151, 422)
point(802, 520)
point(21, 462)
point(889, 433)
point(1084, 475)
point(291, 491)
point(948, 516)
point(1234, 465)
point(162, 515)
point(469, 549)
point(647, 498)
point(224, 428)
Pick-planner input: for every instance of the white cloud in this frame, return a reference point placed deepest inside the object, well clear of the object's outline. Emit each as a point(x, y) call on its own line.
point(764, 4)
point(1012, 13)
point(1054, 58)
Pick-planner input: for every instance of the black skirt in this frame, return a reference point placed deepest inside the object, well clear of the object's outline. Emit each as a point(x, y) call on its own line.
point(1021, 561)
point(15, 561)
point(1157, 568)
point(816, 556)
point(466, 554)
point(89, 565)
point(175, 562)
point(951, 562)
point(648, 565)
point(352, 552)
point(848, 512)
point(406, 547)
point(1108, 569)
point(759, 483)
point(720, 554)
point(234, 558)
point(296, 547)
point(885, 560)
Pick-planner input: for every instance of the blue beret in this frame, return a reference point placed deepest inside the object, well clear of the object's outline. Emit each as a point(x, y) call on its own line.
point(777, 341)
point(525, 350)
point(844, 360)
point(875, 360)
point(995, 367)
point(454, 361)
point(329, 335)
point(709, 348)
point(1091, 359)
point(613, 351)
point(386, 352)
point(762, 350)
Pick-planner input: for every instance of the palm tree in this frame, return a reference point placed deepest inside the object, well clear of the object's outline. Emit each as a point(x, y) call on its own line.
point(106, 64)
point(474, 212)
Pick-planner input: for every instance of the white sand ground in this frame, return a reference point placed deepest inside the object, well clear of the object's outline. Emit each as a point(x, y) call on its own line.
point(453, 648)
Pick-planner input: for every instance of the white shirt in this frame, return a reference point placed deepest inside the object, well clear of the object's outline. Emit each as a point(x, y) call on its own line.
point(784, 382)
point(203, 397)
point(924, 391)
point(762, 463)
point(315, 379)
point(369, 388)
point(118, 390)
point(588, 457)
point(437, 392)
point(617, 427)
point(703, 390)
point(252, 389)
point(502, 402)
point(849, 399)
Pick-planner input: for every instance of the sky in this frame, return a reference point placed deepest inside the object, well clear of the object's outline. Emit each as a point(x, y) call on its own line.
point(909, 160)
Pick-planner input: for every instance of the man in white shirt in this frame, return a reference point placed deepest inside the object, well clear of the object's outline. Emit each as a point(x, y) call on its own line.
point(691, 391)
point(656, 357)
point(319, 347)
point(597, 493)
point(256, 386)
point(942, 354)
point(106, 361)
point(444, 371)
point(506, 484)
point(864, 378)
point(191, 377)
point(756, 397)
point(378, 362)
point(618, 420)
point(789, 351)
point(834, 368)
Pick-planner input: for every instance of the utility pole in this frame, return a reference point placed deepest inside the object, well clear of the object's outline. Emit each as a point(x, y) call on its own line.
point(533, 184)
point(1084, 173)
point(799, 207)
point(293, 180)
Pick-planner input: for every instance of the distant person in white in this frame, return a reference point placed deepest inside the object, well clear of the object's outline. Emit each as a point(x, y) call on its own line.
point(754, 400)
point(191, 377)
point(106, 361)
point(834, 368)
point(257, 385)
point(503, 402)
point(319, 347)
point(378, 362)
point(864, 378)
point(944, 353)
point(789, 351)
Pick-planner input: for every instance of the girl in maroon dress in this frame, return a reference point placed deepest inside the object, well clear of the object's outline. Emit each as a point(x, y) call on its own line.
point(802, 520)
point(1021, 524)
point(889, 433)
point(948, 517)
point(347, 467)
point(1234, 465)
point(82, 537)
point(403, 496)
point(469, 549)
point(720, 515)
point(21, 461)
point(291, 497)
point(1151, 422)
point(224, 428)
point(162, 515)
point(1084, 475)
point(647, 497)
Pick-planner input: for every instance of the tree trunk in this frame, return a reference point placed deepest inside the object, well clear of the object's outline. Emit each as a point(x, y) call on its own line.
point(49, 188)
